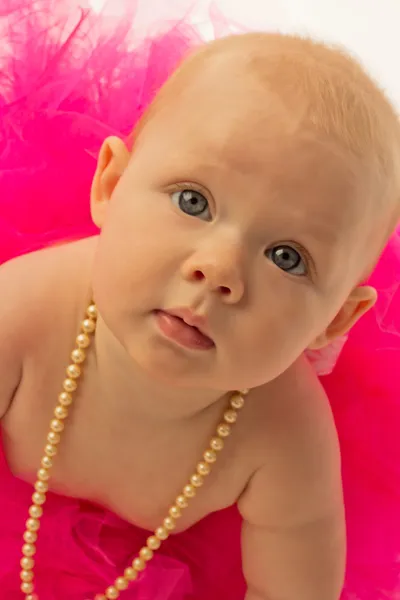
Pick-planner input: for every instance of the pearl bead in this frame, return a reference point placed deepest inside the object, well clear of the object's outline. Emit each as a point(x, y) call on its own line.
point(78, 356)
point(43, 475)
point(32, 524)
point(73, 371)
point(112, 593)
point(35, 512)
point(197, 480)
point(28, 549)
point(50, 450)
point(224, 430)
point(230, 416)
point(169, 523)
point(38, 498)
point(146, 554)
point(138, 564)
point(57, 425)
point(88, 325)
point(46, 462)
point(203, 468)
point(237, 401)
point(244, 392)
point(153, 542)
point(30, 537)
point(175, 512)
point(210, 456)
point(41, 487)
point(130, 574)
point(217, 444)
point(189, 491)
point(65, 399)
point(27, 587)
point(121, 583)
point(69, 385)
point(61, 412)
point(26, 576)
point(27, 563)
point(53, 437)
point(181, 501)
point(92, 311)
point(83, 340)
point(161, 533)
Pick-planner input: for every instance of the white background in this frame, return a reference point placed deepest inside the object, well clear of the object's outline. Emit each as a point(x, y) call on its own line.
point(368, 28)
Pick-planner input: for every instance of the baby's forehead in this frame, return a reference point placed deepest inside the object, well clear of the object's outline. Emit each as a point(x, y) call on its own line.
point(255, 79)
point(226, 117)
point(229, 118)
point(238, 139)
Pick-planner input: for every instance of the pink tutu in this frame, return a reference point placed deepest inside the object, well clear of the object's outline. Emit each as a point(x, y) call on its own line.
point(83, 548)
point(68, 78)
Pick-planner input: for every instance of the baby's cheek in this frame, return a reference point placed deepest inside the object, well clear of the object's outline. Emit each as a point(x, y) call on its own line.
point(285, 324)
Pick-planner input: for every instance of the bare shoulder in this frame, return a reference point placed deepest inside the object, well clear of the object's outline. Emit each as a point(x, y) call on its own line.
point(35, 290)
point(38, 283)
point(298, 474)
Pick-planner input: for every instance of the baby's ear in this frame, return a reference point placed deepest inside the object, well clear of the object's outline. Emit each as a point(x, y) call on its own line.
point(112, 162)
point(360, 300)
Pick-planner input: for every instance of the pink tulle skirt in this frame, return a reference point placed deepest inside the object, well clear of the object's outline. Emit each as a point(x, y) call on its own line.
point(68, 78)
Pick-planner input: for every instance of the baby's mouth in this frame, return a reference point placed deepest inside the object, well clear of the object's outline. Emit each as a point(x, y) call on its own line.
point(179, 330)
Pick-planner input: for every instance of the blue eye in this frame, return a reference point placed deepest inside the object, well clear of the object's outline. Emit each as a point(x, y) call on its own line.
point(287, 259)
point(192, 203)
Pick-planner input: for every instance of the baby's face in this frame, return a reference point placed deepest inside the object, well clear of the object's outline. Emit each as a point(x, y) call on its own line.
point(226, 210)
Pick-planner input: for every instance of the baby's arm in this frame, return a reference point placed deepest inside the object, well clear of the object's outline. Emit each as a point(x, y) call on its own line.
point(12, 310)
point(294, 531)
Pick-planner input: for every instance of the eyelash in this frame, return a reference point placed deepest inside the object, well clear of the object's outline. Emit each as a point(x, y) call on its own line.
point(191, 186)
point(305, 255)
point(308, 259)
point(311, 269)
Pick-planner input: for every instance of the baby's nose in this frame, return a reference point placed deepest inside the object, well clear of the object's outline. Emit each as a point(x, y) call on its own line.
point(220, 269)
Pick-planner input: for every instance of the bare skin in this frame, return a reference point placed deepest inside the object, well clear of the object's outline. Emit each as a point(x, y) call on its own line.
point(262, 182)
point(273, 441)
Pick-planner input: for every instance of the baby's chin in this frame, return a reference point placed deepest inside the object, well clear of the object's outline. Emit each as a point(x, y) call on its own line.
point(145, 349)
point(214, 378)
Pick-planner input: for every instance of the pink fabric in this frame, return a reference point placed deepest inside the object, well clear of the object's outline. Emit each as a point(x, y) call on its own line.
point(83, 548)
point(68, 78)
point(364, 389)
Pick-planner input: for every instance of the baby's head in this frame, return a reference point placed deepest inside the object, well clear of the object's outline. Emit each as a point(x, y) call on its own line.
point(263, 183)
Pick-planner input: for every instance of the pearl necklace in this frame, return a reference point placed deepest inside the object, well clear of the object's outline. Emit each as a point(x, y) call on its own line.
point(65, 400)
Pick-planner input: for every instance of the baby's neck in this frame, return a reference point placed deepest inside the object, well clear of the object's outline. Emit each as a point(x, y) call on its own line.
point(129, 392)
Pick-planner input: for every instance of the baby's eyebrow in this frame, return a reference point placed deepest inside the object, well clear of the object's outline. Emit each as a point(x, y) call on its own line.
point(323, 232)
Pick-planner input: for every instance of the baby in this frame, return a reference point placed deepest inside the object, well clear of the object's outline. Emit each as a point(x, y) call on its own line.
point(261, 188)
